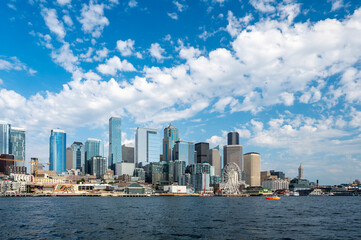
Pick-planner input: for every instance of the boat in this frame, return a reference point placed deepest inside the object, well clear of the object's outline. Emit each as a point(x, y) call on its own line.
point(273, 198)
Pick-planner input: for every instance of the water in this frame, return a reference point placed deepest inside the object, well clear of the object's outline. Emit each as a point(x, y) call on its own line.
point(180, 218)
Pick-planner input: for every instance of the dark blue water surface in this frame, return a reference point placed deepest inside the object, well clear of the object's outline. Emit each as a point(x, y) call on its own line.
point(180, 218)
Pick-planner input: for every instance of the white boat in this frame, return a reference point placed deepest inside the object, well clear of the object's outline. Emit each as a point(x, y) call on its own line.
point(294, 194)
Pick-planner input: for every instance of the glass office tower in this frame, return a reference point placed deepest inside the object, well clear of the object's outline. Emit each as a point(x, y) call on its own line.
point(171, 135)
point(115, 141)
point(184, 151)
point(57, 157)
point(147, 148)
point(4, 137)
point(78, 155)
point(93, 147)
point(17, 145)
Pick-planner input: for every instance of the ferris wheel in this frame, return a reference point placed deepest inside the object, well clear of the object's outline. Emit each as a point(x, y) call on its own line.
point(231, 178)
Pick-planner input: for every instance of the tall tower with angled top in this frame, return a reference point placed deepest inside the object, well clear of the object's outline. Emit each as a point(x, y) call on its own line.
point(300, 172)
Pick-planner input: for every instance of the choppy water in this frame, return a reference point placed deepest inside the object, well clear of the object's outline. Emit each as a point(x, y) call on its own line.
point(180, 218)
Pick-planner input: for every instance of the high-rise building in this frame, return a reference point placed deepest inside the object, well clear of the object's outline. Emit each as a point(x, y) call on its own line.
point(115, 141)
point(184, 151)
point(220, 149)
point(93, 147)
point(17, 145)
point(127, 154)
point(233, 138)
point(147, 148)
point(171, 135)
point(179, 170)
point(57, 157)
point(214, 158)
point(124, 168)
point(300, 172)
point(98, 166)
point(202, 151)
point(69, 158)
point(200, 176)
point(252, 168)
point(4, 137)
point(78, 155)
point(233, 153)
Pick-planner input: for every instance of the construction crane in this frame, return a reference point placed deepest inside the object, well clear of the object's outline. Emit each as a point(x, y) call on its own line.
point(34, 164)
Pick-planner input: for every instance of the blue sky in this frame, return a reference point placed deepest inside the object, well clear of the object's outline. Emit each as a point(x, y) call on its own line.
point(284, 74)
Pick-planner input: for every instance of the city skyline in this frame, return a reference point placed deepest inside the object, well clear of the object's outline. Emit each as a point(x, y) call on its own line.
point(265, 69)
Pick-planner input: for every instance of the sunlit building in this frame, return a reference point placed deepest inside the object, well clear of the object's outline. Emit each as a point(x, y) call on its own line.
point(147, 148)
point(115, 141)
point(171, 135)
point(17, 144)
point(184, 151)
point(57, 156)
point(4, 137)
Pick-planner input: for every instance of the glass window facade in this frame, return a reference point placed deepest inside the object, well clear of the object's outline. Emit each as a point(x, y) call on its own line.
point(57, 157)
point(115, 141)
point(4, 138)
point(171, 135)
point(17, 145)
point(184, 151)
point(78, 155)
point(147, 146)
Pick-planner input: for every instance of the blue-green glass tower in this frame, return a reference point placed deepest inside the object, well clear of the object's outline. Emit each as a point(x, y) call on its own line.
point(171, 135)
point(57, 157)
point(4, 137)
point(115, 141)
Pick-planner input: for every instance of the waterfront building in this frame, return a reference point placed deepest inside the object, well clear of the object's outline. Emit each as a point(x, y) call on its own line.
point(134, 188)
point(127, 153)
point(115, 141)
point(140, 173)
point(297, 184)
point(57, 156)
point(98, 166)
point(202, 151)
point(214, 158)
point(69, 158)
point(184, 151)
point(5, 166)
point(252, 168)
point(279, 174)
point(186, 179)
point(78, 155)
point(200, 176)
point(124, 168)
point(171, 135)
point(300, 172)
point(179, 170)
point(233, 153)
point(146, 146)
point(277, 184)
point(162, 173)
point(17, 145)
point(4, 137)
point(93, 147)
point(233, 138)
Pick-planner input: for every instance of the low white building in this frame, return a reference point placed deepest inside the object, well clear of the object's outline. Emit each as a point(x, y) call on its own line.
point(180, 189)
point(124, 168)
point(21, 177)
point(277, 184)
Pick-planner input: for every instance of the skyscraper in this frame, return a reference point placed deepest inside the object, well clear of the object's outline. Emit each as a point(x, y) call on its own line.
point(93, 147)
point(17, 145)
point(57, 157)
point(300, 172)
point(171, 135)
point(69, 158)
point(78, 155)
point(147, 148)
point(179, 170)
point(127, 154)
point(220, 149)
point(115, 141)
point(233, 138)
point(202, 151)
point(4, 137)
point(233, 153)
point(252, 168)
point(214, 158)
point(184, 151)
